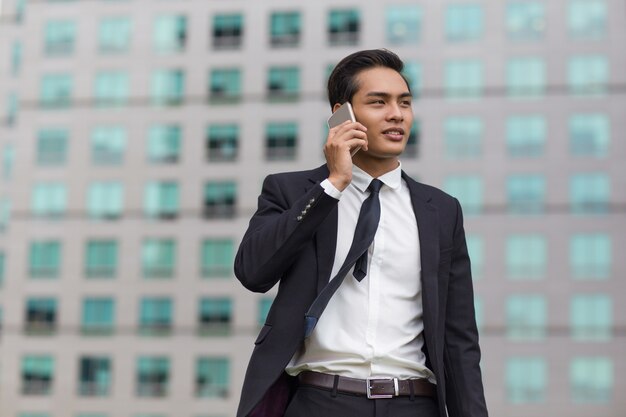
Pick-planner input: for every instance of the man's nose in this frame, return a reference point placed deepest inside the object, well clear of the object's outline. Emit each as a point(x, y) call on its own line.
point(395, 112)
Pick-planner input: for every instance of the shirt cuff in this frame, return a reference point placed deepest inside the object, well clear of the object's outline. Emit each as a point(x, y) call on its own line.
point(330, 189)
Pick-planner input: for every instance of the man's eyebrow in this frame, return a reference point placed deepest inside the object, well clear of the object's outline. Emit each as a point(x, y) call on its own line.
point(386, 95)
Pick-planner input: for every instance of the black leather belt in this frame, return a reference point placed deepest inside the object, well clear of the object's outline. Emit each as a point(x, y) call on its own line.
point(371, 387)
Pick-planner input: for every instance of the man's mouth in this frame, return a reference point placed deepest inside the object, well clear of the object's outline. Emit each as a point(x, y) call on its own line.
point(395, 133)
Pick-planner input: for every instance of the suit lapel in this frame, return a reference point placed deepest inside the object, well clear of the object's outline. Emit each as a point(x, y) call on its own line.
point(428, 229)
point(326, 235)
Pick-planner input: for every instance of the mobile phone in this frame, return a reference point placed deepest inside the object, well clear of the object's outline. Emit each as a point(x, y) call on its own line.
point(343, 113)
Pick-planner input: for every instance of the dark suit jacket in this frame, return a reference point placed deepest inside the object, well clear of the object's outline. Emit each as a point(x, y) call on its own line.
point(291, 240)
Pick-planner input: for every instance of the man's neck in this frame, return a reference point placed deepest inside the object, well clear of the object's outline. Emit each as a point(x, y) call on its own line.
point(377, 168)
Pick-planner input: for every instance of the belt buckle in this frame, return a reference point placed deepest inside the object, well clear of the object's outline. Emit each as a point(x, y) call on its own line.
point(370, 381)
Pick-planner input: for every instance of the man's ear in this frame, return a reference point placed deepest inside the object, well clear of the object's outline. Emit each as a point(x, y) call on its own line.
point(336, 106)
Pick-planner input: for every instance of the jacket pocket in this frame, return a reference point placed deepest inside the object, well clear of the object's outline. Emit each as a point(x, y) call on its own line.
point(263, 334)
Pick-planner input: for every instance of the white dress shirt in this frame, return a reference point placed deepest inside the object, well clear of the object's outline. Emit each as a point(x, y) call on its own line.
point(373, 327)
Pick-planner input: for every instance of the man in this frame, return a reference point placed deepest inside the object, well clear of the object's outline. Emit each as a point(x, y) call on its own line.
point(401, 324)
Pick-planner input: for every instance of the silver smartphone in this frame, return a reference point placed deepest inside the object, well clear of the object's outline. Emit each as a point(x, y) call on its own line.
point(343, 113)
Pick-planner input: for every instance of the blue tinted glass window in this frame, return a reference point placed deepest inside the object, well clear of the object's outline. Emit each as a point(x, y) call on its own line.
point(463, 136)
point(525, 77)
point(526, 256)
point(587, 19)
point(525, 20)
point(589, 134)
point(590, 193)
point(526, 136)
point(591, 380)
point(591, 256)
point(526, 380)
point(468, 189)
point(591, 317)
point(464, 22)
point(404, 24)
point(526, 317)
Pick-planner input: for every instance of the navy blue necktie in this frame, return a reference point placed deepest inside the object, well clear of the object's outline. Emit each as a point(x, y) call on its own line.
point(364, 234)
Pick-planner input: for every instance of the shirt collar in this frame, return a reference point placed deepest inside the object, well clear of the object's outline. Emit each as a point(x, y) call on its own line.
point(361, 179)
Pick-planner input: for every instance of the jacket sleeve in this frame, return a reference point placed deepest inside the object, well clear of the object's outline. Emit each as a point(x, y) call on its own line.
point(285, 221)
point(464, 396)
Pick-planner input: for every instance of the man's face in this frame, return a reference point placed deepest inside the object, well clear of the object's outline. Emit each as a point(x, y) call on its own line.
point(383, 104)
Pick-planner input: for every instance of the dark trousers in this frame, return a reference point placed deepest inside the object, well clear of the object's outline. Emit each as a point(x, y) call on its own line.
point(317, 402)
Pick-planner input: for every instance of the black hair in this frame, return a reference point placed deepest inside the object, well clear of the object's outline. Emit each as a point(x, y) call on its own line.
point(342, 83)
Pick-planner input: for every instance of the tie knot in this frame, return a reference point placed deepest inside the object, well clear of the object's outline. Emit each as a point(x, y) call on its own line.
point(375, 185)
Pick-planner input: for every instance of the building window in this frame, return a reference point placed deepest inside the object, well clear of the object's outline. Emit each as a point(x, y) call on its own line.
point(264, 306)
point(222, 142)
point(52, 147)
point(525, 136)
point(217, 258)
point(164, 142)
point(170, 33)
point(161, 200)
point(589, 135)
point(285, 28)
point(590, 193)
point(155, 316)
point(227, 31)
point(525, 77)
point(526, 193)
point(107, 145)
point(17, 53)
point(153, 375)
point(404, 24)
point(8, 161)
point(526, 380)
point(468, 189)
point(413, 74)
point(212, 377)
point(49, 200)
point(2, 266)
point(220, 199)
point(525, 20)
point(591, 380)
point(60, 36)
point(526, 256)
point(479, 312)
point(587, 19)
point(215, 315)
point(37, 375)
point(591, 317)
point(464, 22)
point(158, 258)
point(168, 87)
point(283, 83)
point(45, 259)
point(5, 213)
point(101, 259)
point(463, 79)
point(105, 200)
point(526, 317)
point(225, 85)
point(411, 150)
point(476, 250)
point(463, 136)
point(41, 315)
point(111, 88)
point(588, 75)
point(56, 90)
point(281, 141)
point(114, 35)
point(13, 108)
point(344, 27)
point(98, 315)
point(590, 256)
point(94, 376)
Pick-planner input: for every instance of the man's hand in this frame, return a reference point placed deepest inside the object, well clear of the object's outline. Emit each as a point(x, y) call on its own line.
point(341, 141)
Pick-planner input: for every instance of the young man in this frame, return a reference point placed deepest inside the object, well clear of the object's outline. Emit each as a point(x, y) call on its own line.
point(397, 337)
